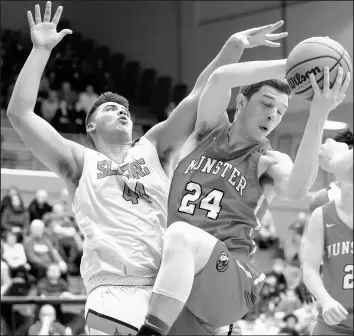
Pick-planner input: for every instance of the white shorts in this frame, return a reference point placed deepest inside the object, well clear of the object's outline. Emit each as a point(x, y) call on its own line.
point(117, 310)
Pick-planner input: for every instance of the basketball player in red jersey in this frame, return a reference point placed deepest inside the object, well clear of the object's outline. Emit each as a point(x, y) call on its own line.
point(332, 192)
point(226, 176)
point(329, 238)
point(120, 189)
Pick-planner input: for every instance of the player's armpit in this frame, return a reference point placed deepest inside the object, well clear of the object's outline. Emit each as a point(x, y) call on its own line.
point(62, 156)
point(170, 135)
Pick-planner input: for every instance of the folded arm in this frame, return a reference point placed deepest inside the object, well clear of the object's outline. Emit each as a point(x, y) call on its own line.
point(216, 95)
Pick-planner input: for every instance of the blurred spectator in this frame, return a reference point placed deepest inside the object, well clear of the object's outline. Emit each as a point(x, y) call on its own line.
point(53, 285)
point(50, 106)
point(289, 302)
point(67, 238)
point(15, 256)
point(15, 217)
point(40, 251)
point(68, 95)
point(62, 121)
point(86, 99)
point(7, 198)
point(8, 157)
point(291, 322)
point(6, 281)
point(278, 272)
point(47, 323)
point(39, 205)
point(267, 235)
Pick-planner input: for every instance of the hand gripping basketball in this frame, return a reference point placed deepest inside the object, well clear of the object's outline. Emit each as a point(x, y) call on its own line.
point(259, 36)
point(327, 99)
point(44, 34)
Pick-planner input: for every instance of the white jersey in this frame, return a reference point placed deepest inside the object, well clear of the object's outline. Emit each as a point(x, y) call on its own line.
point(122, 212)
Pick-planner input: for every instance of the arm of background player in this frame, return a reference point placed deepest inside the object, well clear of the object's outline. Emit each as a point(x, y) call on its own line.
point(62, 156)
point(311, 254)
point(216, 95)
point(171, 134)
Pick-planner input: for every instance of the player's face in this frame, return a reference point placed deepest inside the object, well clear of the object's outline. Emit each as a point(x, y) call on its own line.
point(113, 117)
point(264, 111)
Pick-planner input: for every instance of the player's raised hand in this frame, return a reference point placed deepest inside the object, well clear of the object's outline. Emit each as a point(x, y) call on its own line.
point(333, 312)
point(329, 97)
point(260, 36)
point(44, 33)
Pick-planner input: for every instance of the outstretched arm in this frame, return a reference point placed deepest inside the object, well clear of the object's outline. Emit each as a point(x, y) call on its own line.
point(171, 134)
point(61, 156)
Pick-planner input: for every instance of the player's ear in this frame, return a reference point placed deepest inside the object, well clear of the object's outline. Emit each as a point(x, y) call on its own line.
point(90, 127)
point(240, 102)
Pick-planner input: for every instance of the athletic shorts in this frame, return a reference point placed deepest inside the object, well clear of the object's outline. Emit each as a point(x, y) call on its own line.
point(117, 310)
point(188, 324)
point(344, 328)
point(225, 290)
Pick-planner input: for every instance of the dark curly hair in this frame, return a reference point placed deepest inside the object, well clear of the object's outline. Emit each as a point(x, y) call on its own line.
point(346, 137)
point(280, 84)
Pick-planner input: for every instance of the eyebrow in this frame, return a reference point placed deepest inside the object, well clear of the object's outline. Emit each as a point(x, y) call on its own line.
point(272, 98)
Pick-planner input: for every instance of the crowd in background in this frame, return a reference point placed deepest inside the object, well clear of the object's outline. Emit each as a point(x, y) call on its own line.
point(41, 248)
point(41, 245)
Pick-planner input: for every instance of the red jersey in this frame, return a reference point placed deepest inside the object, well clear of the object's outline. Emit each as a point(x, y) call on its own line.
point(338, 257)
point(216, 188)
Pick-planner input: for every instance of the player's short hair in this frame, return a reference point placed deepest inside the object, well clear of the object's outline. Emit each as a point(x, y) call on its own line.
point(104, 98)
point(280, 84)
point(345, 137)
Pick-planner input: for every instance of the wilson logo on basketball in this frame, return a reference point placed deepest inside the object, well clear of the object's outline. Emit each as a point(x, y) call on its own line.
point(298, 79)
point(223, 262)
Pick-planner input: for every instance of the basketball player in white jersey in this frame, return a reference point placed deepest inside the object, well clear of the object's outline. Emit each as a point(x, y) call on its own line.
point(119, 190)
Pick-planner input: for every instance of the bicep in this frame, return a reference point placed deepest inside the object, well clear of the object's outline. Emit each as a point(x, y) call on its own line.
point(212, 105)
point(312, 242)
point(172, 133)
point(57, 153)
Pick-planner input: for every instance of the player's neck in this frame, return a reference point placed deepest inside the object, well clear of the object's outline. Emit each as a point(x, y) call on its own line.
point(117, 153)
point(238, 136)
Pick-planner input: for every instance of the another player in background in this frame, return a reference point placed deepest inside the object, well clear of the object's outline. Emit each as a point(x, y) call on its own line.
point(220, 190)
point(332, 192)
point(329, 238)
point(119, 190)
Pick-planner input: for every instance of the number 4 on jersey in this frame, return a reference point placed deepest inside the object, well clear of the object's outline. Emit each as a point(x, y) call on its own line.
point(133, 195)
point(211, 202)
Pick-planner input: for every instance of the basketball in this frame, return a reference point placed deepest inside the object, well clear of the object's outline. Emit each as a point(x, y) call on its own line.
point(312, 56)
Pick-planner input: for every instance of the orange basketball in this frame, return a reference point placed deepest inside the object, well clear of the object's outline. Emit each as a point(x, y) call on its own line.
point(311, 56)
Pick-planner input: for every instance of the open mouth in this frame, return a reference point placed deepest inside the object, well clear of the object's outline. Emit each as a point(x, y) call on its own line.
point(263, 128)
